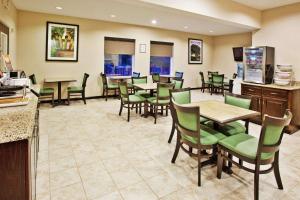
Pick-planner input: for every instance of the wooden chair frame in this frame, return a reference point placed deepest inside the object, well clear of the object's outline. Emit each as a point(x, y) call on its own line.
point(82, 93)
point(181, 142)
point(215, 88)
point(155, 74)
point(223, 153)
point(41, 97)
point(105, 86)
point(204, 85)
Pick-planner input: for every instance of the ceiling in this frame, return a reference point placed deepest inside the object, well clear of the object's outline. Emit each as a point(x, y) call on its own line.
point(135, 12)
point(266, 4)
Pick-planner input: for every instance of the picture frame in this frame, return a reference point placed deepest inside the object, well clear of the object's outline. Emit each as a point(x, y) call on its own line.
point(195, 51)
point(62, 42)
point(143, 48)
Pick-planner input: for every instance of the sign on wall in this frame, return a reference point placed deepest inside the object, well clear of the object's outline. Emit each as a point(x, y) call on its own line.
point(62, 42)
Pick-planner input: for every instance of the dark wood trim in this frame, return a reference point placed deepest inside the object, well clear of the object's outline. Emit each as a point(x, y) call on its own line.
point(77, 49)
point(162, 43)
point(119, 39)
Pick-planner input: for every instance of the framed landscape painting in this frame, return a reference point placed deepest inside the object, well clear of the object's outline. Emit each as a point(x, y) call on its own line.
point(195, 51)
point(62, 42)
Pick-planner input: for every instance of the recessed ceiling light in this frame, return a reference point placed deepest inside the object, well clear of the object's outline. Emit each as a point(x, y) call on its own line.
point(112, 16)
point(154, 21)
point(58, 8)
point(185, 27)
point(211, 31)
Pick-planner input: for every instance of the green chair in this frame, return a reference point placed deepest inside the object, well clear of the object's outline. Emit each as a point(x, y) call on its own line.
point(155, 78)
point(192, 135)
point(178, 83)
point(140, 80)
point(78, 91)
point(210, 73)
point(161, 99)
point(180, 96)
point(262, 151)
point(229, 86)
point(108, 86)
point(217, 83)
point(45, 93)
point(204, 84)
point(178, 75)
point(134, 75)
point(233, 128)
point(128, 100)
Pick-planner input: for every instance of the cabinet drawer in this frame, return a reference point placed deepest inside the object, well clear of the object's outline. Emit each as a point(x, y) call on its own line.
point(252, 90)
point(274, 93)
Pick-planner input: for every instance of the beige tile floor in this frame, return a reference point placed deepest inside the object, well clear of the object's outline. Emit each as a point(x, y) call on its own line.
point(88, 152)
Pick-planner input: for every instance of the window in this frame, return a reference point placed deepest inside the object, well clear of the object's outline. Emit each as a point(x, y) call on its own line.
point(161, 58)
point(118, 56)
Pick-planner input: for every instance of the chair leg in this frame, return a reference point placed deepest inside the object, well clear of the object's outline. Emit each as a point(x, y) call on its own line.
point(199, 167)
point(177, 147)
point(140, 108)
point(121, 108)
point(106, 94)
point(276, 171)
point(52, 100)
point(219, 163)
point(136, 108)
point(128, 114)
point(172, 132)
point(229, 162)
point(68, 98)
point(256, 182)
point(155, 114)
point(83, 97)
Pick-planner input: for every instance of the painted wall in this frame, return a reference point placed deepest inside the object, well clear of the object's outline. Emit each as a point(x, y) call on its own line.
point(280, 29)
point(32, 41)
point(223, 60)
point(8, 16)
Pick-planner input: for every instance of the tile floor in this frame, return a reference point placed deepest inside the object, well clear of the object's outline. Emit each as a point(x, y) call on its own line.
point(88, 152)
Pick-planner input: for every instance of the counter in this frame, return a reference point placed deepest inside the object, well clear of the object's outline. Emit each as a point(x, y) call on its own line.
point(296, 86)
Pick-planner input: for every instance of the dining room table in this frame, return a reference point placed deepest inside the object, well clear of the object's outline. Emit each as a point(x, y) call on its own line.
point(59, 81)
point(220, 113)
point(168, 77)
point(118, 78)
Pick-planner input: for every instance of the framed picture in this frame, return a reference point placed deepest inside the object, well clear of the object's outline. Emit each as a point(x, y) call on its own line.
point(195, 51)
point(143, 48)
point(62, 42)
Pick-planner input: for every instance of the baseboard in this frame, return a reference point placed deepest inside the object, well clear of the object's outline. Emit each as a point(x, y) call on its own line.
point(77, 99)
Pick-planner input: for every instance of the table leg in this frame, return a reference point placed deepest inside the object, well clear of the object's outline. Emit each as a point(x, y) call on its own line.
point(59, 92)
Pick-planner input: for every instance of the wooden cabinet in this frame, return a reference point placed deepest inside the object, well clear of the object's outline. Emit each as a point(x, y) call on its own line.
point(274, 102)
point(18, 164)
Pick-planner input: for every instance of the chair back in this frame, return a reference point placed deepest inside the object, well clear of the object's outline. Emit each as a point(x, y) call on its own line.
point(210, 73)
point(230, 87)
point(123, 90)
point(181, 96)
point(104, 79)
point(163, 90)
point(272, 133)
point(178, 75)
point(85, 77)
point(188, 123)
point(241, 101)
point(234, 75)
point(218, 79)
point(137, 80)
point(155, 78)
point(136, 74)
point(32, 79)
point(178, 83)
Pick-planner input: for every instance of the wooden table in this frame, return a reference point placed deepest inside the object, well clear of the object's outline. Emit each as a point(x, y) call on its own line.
point(118, 78)
point(147, 86)
point(59, 80)
point(222, 113)
point(169, 77)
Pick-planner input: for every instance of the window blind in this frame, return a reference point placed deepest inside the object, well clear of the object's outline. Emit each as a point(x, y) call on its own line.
point(163, 49)
point(119, 46)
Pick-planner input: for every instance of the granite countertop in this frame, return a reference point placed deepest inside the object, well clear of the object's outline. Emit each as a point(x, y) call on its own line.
point(296, 86)
point(17, 123)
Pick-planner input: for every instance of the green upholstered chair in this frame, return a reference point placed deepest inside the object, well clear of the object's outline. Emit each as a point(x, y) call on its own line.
point(75, 91)
point(178, 83)
point(204, 84)
point(217, 83)
point(228, 86)
point(236, 127)
point(262, 151)
point(155, 78)
point(134, 75)
point(192, 135)
point(161, 99)
point(108, 86)
point(180, 96)
point(45, 93)
point(140, 80)
point(128, 100)
point(178, 75)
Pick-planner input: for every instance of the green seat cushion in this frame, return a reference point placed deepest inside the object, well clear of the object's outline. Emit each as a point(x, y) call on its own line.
point(208, 136)
point(229, 129)
point(143, 93)
point(152, 100)
point(203, 120)
point(245, 145)
point(46, 91)
point(75, 89)
point(135, 99)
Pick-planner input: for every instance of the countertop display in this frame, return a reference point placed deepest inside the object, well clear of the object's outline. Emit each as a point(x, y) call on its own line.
point(296, 86)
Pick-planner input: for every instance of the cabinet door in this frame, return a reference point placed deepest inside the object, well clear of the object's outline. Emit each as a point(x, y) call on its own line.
point(256, 103)
point(274, 107)
point(33, 165)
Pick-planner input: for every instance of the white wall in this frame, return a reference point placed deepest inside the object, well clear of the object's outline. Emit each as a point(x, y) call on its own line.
point(32, 40)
